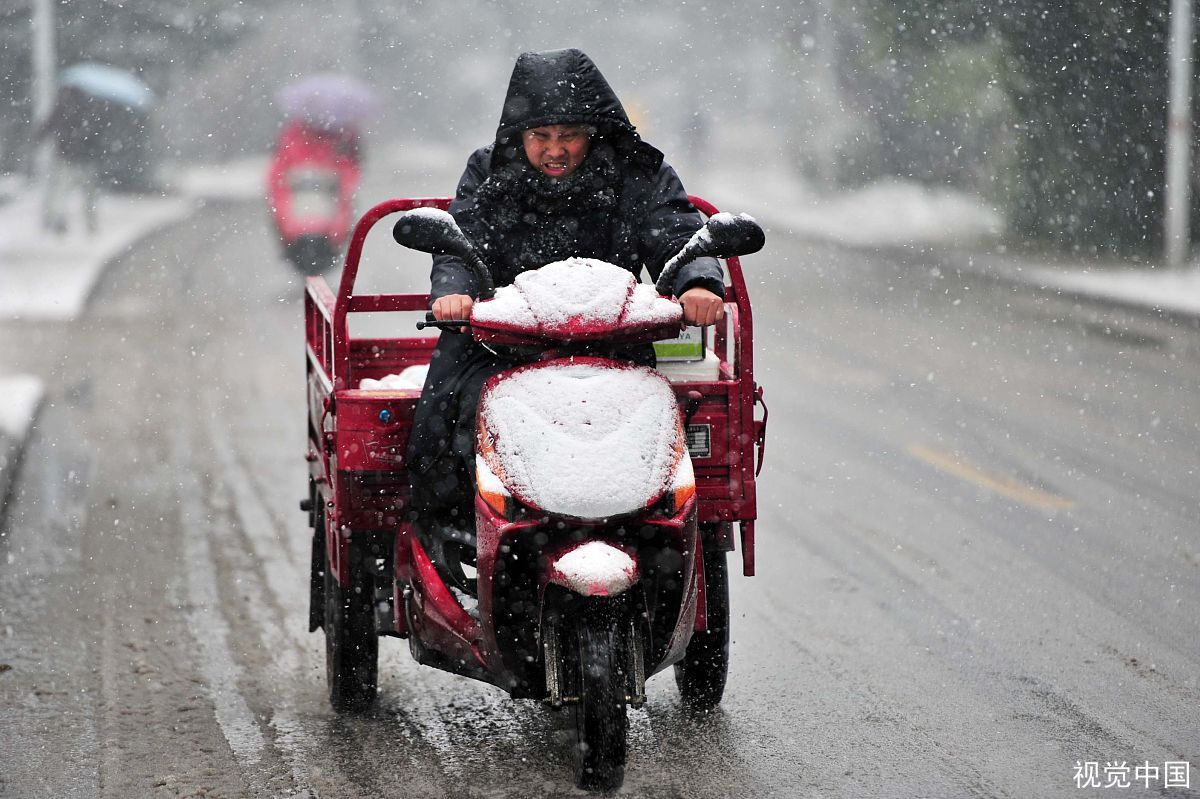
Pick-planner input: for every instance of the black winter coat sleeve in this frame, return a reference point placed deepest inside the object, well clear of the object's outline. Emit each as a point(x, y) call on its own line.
point(670, 221)
point(450, 275)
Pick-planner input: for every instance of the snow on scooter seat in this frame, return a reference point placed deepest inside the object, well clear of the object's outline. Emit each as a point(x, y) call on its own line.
point(578, 294)
point(588, 440)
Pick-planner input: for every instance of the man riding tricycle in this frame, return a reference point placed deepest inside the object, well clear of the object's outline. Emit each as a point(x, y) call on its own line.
point(531, 498)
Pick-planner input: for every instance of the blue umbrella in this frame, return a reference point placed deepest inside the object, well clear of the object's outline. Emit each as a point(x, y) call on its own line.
point(108, 83)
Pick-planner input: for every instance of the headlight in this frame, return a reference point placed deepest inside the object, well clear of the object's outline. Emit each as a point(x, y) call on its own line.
point(492, 489)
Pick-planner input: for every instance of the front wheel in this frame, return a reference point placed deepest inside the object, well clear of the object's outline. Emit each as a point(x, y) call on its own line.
point(600, 721)
point(702, 673)
point(351, 642)
point(312, 255)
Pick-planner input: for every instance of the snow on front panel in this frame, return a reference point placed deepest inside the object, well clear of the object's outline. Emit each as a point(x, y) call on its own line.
point(583, 440)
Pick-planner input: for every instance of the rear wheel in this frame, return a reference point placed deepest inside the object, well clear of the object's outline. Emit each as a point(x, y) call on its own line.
point(702, 673)
point(351, 642)
point(600, 721)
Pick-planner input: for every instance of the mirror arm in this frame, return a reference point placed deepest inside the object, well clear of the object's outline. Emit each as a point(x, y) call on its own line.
point(665, 285)
point(483, 276)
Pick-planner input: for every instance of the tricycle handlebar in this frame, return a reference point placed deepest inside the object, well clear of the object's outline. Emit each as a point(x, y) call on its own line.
point(441, 324)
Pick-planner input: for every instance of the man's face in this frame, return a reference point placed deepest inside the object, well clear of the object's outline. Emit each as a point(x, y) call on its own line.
point(556, 150)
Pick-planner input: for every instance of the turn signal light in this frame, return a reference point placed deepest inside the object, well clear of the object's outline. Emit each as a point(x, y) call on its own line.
point(682, 488)
point(492, 489)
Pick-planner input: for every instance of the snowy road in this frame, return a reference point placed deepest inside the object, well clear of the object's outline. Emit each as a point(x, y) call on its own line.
point(978, 553)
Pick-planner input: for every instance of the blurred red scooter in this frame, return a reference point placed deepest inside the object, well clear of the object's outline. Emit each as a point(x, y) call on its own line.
point(312, 179)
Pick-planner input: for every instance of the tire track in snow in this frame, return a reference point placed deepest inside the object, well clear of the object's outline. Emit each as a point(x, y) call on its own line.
point(211, 632)
point(284, 581)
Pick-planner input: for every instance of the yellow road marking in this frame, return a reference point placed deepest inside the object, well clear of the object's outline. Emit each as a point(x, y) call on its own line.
point(1027, 495)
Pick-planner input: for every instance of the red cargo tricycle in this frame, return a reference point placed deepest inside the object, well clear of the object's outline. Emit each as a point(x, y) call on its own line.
point(606, 491)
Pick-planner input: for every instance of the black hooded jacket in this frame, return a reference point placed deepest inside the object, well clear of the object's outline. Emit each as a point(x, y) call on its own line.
point(650, 217)
point(623, 205)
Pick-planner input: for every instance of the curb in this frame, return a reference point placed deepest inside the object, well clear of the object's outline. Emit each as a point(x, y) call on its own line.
point(1163, 296)
point(22, 395)
point(1040, 279)
point(1060, 287)
point(21, 398)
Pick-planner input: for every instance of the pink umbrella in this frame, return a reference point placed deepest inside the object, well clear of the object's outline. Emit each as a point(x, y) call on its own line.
point(329, 100)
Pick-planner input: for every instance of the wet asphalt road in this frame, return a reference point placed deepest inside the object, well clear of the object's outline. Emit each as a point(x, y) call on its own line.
point(979, 555)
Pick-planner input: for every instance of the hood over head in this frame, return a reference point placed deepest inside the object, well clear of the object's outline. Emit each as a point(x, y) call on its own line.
point(564, 87)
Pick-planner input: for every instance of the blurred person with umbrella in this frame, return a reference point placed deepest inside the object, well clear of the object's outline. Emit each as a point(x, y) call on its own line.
point(92, 101)
point(316, 166)
point(330, 105)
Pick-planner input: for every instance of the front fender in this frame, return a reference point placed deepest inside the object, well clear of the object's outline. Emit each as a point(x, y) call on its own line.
point(594, 568)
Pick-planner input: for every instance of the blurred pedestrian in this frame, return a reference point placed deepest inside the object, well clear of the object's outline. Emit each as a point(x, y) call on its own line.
point(76, 124)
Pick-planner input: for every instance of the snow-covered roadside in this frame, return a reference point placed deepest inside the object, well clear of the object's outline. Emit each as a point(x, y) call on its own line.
point(1175, 291)
point(238, 179)
point(955, 227)
point(48, 277)
point(888, 214)
point(43, 276)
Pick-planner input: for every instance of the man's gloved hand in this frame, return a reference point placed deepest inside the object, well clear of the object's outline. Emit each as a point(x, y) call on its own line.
point(701, 307)
point(453, 306)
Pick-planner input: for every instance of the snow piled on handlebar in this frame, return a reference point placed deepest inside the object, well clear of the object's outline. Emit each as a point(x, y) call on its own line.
point(574, 291)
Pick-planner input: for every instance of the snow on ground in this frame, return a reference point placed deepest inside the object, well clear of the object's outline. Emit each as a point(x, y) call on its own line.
point(44, 276)
point(47, 276)
point(900, 213)
point(896, 213)
point(1176, 290)
point(238, 179)
point(884, 214)
point(20, 396)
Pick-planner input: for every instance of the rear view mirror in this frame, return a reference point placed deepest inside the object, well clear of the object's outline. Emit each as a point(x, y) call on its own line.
point(434, 231)
point(723, 236)
point(431, 230)
point(730, 235)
